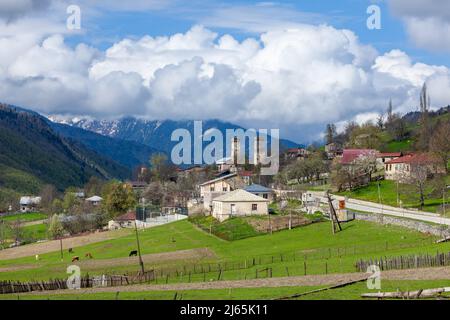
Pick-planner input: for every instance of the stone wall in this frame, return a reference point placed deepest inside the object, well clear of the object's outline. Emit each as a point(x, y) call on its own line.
point(437, 230)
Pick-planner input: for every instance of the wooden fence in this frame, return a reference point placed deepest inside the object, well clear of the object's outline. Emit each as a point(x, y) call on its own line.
point(9, 287)
point(406, 262)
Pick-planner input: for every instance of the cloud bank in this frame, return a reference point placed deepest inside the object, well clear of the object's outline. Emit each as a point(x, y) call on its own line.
point(293, 78)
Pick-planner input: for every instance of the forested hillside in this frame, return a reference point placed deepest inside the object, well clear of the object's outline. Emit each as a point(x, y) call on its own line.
point(33, 154)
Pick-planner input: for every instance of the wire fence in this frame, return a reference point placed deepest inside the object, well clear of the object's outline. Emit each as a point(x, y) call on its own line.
point(406, 262)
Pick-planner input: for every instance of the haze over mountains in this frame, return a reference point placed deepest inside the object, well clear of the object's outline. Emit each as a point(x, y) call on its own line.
point(155, 134)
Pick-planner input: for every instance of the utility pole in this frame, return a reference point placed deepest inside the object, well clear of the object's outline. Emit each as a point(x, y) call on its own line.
point(61, 249)
point(381, 203)
point(141, 263)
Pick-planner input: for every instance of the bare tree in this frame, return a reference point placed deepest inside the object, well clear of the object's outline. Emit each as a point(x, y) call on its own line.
point(48, 194)
point(423, 139)
point(440, 143)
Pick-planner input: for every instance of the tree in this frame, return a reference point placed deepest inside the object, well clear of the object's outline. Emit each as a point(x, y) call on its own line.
point(397, 128)
point(119, 199)
point(5, 233)
point(366, 136)
point(330, 133)
point(55, 229)
point(440, 143)
point(17, 231)
point(93, 187)
point(380, 122)
point(160, 168)
point(422, 181)
point(48, 194)
point(69, 200)
point(390, 112)
point(424, 134)
point(356, 174)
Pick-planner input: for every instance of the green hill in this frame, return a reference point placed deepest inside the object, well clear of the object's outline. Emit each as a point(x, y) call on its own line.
point(32, 154)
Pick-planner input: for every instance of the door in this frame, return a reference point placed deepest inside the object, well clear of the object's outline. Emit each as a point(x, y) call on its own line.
point(233, 209)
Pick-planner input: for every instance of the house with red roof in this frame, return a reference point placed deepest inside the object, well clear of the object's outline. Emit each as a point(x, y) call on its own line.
point(349, 156)
point(404, 167)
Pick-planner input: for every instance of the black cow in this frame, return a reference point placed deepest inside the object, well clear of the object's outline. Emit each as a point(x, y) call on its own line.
point(75, 259)
point(133, 253)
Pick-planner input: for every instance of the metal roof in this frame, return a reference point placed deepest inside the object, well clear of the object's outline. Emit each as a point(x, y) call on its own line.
point(256, 188)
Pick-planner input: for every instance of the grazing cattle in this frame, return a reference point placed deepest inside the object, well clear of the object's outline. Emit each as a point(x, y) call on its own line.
point(70, 250)
point(75, 259)
point(133, 253)
point(88, 255)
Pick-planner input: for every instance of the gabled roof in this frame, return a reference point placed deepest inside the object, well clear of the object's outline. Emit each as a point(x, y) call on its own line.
point(389, 154)
point(256, 188)
point(350, 155)
point(94, 199)
point(127, 216)
point(421, 158)
point(228, 176)
point(240, 195)
point(30, 200)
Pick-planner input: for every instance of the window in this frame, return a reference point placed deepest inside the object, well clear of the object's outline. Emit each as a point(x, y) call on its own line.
point(254, 207)
point(211, 188)
point(265, 196)
point(225, 189)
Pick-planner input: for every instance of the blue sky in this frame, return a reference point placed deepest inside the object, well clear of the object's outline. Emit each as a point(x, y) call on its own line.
point(178, 16)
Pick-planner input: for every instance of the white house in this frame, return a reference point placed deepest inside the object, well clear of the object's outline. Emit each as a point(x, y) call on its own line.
point(217, 187)
point(403, 168)
point(28, 204)
point(239, 203)
point(95, 200)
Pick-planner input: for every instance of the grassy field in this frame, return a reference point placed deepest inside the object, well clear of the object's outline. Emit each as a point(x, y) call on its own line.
point(231, 229)
point(289, 250)
point(388, 191)
point(352, 292)
point(336, 254)
point(25, 217)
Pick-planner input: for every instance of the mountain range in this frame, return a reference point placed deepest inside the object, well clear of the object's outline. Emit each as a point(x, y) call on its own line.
point(155, 134)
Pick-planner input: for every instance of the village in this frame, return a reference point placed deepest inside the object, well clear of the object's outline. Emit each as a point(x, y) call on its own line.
point(213, 151)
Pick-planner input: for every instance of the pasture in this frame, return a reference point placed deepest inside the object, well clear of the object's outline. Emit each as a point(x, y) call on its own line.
point(284, 252)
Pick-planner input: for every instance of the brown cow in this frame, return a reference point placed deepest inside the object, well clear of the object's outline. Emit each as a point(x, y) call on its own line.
point(88, 255)
point(75, 259)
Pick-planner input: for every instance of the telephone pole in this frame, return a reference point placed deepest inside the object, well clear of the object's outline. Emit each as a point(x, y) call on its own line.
point(141, 263)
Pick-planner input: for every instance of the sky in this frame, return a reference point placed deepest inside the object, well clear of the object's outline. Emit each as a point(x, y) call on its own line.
point(292, 65)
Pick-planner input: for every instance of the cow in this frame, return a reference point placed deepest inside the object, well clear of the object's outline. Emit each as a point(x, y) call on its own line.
point(88, 255)
point(75, 259)
point(133, 253)
point(70, 250)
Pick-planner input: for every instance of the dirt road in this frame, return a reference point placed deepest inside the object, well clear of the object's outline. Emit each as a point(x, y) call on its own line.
point(313, 280)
